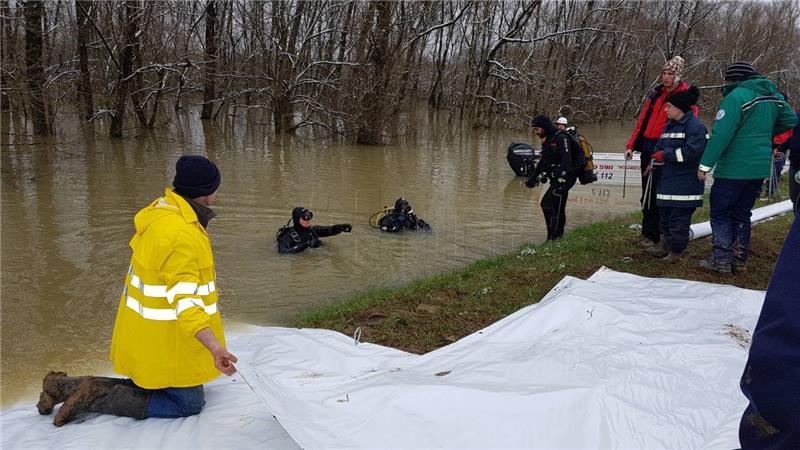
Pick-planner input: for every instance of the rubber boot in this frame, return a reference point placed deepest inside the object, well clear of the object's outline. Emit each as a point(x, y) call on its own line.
point(671, 257)
point(57, 387)
point(714, 266)
point(658, 250)
point(96, 396)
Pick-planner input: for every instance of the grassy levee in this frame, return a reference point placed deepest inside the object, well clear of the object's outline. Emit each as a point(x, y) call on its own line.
point(433, 312)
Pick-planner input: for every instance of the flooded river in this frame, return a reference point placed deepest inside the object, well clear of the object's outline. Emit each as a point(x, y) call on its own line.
point(68, 206)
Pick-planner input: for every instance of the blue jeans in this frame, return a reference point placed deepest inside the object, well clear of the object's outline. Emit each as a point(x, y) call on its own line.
point(675, 223)
point(731, 202)
point(174, 402)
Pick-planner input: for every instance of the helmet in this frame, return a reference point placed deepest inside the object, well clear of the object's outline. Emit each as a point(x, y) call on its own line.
point(561, 120)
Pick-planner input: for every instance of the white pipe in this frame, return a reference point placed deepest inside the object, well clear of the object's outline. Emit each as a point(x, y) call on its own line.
point(699, 230)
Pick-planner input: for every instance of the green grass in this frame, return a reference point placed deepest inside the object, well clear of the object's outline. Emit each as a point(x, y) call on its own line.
point(433, 312)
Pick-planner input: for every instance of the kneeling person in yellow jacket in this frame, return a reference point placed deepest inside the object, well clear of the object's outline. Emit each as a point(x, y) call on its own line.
point(168, 338)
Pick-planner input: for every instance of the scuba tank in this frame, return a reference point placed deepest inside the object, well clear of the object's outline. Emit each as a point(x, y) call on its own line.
point(374, 220)
point(284, 228)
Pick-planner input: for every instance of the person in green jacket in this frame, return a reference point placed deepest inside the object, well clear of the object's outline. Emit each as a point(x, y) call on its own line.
point(740, 153)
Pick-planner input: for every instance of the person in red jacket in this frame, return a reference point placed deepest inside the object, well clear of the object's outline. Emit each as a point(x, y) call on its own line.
point(648, 131)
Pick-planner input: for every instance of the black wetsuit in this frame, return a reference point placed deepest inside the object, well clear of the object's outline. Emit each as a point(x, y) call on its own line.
point(401, 218)
point(296, 238)
point(556, 166)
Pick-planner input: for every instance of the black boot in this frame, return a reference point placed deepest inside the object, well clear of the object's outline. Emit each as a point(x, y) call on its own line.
point(58, 387)
point(94, 395)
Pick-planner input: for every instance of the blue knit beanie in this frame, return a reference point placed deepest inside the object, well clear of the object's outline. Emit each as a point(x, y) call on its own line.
point(195, 176)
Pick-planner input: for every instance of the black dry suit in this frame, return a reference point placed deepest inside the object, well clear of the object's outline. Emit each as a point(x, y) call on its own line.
point(296, 238)
point(401, 218)
point(556, 166)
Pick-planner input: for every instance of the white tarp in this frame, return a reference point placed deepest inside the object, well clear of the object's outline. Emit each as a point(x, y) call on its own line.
point(616, 361)
point(232, 418)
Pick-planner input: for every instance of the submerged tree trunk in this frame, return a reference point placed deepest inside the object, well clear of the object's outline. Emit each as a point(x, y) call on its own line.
point(34, 71)
point(6, 51)
point(83, 9)
point(375, 103)
point(283, 115)
point(209, 92)
point(125, 69)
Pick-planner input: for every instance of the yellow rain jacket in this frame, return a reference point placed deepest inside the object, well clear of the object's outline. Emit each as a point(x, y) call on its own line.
point(170, 294)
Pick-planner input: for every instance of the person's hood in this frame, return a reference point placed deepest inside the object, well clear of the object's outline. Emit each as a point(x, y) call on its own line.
point(296, 213)
point(170, 203)
point(399, 203)
point(758, 84)
point(550, 130)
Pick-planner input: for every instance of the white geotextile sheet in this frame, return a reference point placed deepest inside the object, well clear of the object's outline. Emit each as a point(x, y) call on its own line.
point(233, 418)
point(617, 361)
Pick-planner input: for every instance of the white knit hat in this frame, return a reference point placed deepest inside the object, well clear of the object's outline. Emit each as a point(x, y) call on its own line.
point(675, 65)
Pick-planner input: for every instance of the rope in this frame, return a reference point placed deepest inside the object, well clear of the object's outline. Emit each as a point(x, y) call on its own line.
point(648, 187)
point(773, 183)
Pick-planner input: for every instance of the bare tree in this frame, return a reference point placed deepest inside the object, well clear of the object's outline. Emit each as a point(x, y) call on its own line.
point(209, 93)
point(34, 70)
point(351, 67)
point(371, 116)
point(130, 20)
point(7, 62)
point(84, 9)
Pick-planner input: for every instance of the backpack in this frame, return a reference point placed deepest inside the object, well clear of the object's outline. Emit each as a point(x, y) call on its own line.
point(582, 157)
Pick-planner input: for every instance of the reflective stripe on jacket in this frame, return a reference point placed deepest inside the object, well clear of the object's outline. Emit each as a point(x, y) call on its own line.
point(683, 143)
point(169, 295)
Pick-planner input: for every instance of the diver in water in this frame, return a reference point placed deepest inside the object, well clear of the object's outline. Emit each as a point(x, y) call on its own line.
point(301, 234)
point(401, 218)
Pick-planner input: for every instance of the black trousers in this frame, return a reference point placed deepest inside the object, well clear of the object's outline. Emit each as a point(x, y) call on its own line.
point(650, 216)
point(675, 224)
point(554, 205)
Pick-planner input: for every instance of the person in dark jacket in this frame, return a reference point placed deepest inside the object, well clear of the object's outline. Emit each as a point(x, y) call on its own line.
point(402, 217)
point(679, 192)
point(302, 235)
point(649, 127)
point(555, 165)
point(771, 374)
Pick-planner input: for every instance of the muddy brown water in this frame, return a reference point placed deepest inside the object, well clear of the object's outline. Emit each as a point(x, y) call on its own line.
point(68, 205)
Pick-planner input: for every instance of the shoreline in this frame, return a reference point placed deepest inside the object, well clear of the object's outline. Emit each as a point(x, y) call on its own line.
point(435, 311)
point(432, 312)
